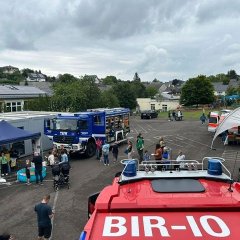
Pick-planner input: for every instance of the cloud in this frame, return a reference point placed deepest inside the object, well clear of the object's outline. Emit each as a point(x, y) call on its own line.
point(214, 10)
point(158, 39)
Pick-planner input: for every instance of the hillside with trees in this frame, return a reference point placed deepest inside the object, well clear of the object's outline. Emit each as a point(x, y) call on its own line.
point(72, 93)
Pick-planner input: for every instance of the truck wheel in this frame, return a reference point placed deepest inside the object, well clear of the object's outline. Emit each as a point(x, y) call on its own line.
point(91, 149)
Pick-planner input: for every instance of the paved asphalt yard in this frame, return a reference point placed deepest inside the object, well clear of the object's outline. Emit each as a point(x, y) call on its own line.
point(88, 176)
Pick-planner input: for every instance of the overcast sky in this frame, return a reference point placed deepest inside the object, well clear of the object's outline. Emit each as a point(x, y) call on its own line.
point(163, 39)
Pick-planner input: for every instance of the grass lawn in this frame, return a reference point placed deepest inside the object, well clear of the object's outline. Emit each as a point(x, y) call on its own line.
point(187, 114)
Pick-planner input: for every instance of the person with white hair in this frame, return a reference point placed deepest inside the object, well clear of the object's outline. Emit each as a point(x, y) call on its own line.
point(180, 160)
point(38, 162)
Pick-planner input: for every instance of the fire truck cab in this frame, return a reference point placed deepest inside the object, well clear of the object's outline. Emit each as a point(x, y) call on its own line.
point(150, 200)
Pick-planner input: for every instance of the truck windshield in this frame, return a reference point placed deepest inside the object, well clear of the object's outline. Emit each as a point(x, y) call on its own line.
point(213, 120)
point(65, 124)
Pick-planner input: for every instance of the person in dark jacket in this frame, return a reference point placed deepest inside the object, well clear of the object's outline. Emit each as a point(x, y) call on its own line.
point(203, 118)
point(6, 237)
point(115, 151)
point(37, 160)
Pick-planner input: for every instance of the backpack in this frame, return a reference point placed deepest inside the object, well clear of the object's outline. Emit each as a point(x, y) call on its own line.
point(165, 155)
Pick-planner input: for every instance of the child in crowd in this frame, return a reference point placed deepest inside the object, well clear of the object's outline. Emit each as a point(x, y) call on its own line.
point(146, 156)
point(166, 157)
point(129, 150)
point(4, 164)
point(27, 168)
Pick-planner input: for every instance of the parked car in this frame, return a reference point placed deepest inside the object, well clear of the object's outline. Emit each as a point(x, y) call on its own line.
point(149, 114)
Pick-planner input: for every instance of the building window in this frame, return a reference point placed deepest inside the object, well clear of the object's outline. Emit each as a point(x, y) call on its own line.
point(164, 108)
point(13, 106)
point(153, 107)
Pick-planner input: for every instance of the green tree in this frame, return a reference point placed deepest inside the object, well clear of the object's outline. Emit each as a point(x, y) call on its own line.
point(151, 91)
point(67, 78)
point(91, 90)
point(139, 89)
point(222, 78)
point(125, 94)
point(69, 97)
point(42, 103)
point(213, 78)
point(232, 74)
point(109, 99)
point(232, 91)
point(15, 77)
point(26, 71)
point(196, 91)
point(109, 80)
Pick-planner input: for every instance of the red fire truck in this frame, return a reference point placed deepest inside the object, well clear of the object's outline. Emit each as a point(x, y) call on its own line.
point(163, 201)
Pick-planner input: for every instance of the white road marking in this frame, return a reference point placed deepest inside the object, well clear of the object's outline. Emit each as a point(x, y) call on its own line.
point(143, 129)
point(196, 142)
point(53, 208)
point(175, 144)
point(181, 139)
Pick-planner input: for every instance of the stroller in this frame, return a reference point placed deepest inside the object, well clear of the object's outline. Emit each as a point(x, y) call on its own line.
point(60, 175)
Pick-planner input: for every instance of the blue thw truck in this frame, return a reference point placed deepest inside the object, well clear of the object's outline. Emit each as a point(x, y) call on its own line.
point(78, 132)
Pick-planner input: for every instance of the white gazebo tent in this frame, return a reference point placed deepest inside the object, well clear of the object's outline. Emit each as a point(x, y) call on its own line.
point(232, 120)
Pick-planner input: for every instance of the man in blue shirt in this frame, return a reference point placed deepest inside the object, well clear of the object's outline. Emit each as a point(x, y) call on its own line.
point(44, 215)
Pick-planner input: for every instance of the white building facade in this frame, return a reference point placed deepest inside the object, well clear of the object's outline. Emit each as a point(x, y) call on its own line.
point(153, 104)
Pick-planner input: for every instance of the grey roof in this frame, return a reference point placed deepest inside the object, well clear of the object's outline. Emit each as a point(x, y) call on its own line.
point(36, 75)
point(16, 91)
point(168, 96)
point(233, 83)
point(156, 84)
point(219, 87)
point(44, 86)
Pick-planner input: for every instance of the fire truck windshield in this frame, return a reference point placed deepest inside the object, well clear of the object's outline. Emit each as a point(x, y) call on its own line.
point(65, 124)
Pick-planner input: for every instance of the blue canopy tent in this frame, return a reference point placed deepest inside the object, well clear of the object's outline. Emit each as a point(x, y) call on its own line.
point(11, 134)
point(232, 97)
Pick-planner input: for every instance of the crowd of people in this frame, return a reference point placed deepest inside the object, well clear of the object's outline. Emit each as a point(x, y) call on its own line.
point(162, 153)
point(8, 160)
point(172, 115)
point(60, 156)
point(55, 157)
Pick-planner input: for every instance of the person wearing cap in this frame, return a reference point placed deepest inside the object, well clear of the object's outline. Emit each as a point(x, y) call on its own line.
point(37, 160)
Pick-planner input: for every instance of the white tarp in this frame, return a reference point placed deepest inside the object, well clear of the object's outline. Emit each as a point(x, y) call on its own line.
point(230, 121)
